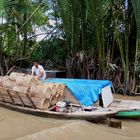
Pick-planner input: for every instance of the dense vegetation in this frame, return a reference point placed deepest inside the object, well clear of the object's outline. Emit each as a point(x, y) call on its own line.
point(95, 39)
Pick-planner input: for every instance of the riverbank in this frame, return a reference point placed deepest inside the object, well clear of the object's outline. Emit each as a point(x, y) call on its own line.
point(125, 97)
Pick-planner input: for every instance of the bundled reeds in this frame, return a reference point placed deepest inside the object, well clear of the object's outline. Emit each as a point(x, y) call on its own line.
point(27, 90)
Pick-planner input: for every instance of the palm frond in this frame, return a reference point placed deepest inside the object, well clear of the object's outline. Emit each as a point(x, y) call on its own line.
point(136, 7)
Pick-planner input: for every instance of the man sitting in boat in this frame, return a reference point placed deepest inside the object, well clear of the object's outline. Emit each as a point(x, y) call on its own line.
point(38, 70)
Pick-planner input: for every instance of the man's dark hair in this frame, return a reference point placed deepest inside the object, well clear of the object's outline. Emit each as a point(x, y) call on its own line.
point(35, 61)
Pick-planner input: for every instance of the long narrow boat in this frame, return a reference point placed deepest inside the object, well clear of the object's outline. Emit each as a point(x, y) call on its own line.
point(128, 109)
point(94, 116)
point(135, 114)
point(82, 95)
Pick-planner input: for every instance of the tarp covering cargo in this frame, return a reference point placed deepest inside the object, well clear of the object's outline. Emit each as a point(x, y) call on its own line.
point(85, 91)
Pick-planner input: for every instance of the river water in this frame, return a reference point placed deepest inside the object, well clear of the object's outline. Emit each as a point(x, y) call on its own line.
point(19, 126)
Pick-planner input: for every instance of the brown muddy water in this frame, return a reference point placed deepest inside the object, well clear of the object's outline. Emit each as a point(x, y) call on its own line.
point(19, 126)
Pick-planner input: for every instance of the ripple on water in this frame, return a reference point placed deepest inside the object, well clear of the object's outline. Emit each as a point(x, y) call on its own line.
point(84, 131)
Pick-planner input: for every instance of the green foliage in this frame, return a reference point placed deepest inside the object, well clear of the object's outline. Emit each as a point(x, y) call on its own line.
point(97, 13)
point(52, 49)
point(71, 23)
point(21, 16)
point(83, 30)
point(2, 4)
point(136, 6)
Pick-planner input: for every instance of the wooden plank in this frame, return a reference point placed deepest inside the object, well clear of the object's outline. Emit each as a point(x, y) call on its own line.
point(29, 98)
point(107, 96)
point(22, 102)
point(1, 96)
point(10, 96)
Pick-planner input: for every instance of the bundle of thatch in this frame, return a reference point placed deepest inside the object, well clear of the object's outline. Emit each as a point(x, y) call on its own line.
point(52, 91)
point(41, 103)
point(7, 83)
point(4, 93)
point(15, 75)
point(40, 90)
point(14, 89)
point(27, 90)
point(21, 89)
point(27, 81)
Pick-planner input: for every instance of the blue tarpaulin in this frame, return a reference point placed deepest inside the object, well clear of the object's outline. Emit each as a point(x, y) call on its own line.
point(85, 91)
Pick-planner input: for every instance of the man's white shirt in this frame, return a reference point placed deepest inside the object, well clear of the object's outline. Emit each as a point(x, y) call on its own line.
point(38, 71)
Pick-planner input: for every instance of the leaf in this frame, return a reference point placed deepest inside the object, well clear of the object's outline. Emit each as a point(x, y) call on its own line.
point(2, 4)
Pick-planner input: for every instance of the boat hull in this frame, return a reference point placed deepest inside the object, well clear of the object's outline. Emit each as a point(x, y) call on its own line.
point(127, 109)
point(128, 114)
point(89, 116)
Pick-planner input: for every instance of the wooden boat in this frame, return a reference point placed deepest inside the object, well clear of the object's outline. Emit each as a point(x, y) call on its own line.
point(94, 116)
point(26, 104)
point(116, 109)
point(128, 109)
point(134, 114)
point(39, 106)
